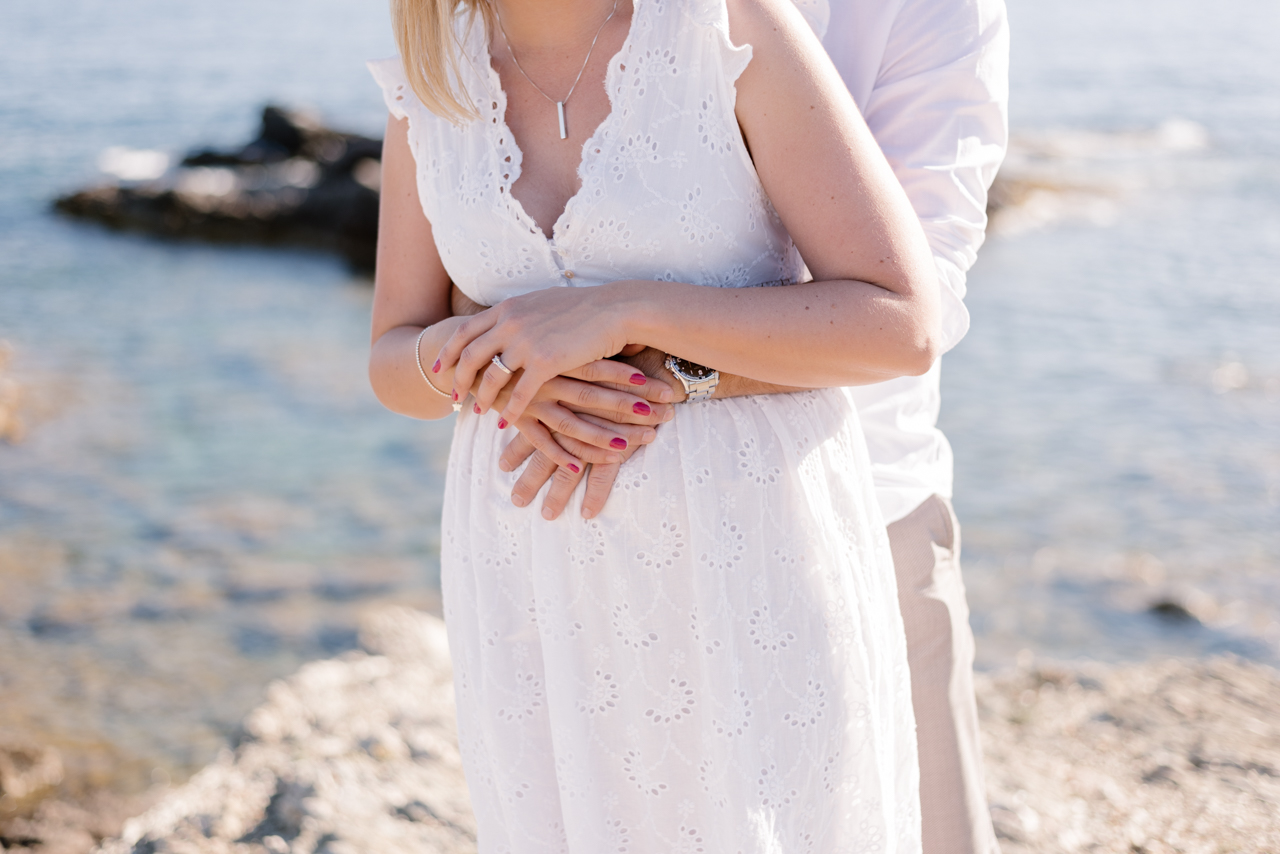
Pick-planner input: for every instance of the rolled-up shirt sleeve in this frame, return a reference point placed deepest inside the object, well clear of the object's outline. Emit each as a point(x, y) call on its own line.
point(937, 103)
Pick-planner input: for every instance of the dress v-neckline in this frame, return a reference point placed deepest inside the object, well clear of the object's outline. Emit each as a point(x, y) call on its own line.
point(590, 148)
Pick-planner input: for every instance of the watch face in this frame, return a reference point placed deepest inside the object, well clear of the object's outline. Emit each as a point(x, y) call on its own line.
point(692, 370)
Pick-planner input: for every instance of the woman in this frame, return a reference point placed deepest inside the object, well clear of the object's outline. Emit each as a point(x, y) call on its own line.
point(715, 662)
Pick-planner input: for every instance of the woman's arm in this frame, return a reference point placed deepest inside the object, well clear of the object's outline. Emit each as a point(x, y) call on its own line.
point(871, 313)
point(412, 296)
point(411, 290)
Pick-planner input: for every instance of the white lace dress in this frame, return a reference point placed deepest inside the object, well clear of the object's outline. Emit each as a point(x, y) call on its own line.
point(716, 662)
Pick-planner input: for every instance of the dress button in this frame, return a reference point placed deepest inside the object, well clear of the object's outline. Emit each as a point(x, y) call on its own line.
point(568, 274)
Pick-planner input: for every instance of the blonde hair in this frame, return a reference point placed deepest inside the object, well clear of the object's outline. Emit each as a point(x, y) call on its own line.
point(430, 51)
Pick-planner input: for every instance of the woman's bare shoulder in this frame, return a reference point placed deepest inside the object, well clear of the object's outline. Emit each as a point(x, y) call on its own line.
point(769, 25)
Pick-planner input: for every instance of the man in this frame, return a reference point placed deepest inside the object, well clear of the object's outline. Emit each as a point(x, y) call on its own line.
point(931, 79)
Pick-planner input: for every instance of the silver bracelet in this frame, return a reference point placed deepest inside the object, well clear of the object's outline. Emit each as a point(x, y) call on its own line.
point(417, 353)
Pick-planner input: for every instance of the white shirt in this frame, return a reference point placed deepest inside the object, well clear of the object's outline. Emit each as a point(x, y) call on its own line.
point(932, 80)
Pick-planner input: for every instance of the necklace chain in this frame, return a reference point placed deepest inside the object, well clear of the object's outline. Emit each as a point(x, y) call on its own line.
point(561, 102)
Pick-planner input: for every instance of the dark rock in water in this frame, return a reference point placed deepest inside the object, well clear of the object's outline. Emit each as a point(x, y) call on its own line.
point(27, 768)
point(1174, 612)
point(297, 184)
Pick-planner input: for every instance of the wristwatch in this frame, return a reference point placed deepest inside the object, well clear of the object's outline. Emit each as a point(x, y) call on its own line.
point(699, 382)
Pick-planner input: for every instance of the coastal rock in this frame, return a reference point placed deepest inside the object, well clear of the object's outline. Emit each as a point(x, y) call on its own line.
point(1144, 759)
point(25, 769)
point(349, 755)
point(298, 183)
point(12, 428)
point(358, 754)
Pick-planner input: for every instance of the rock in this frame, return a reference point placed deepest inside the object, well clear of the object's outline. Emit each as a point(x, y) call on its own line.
point(26, 769)
point(59, 826)
point(12, 428)
point(359, 754)
point(1168, 756)
point(298, 183)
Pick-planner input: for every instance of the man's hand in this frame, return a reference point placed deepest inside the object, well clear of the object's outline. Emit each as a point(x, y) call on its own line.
point(652, 363)
point(625, 407)
point(600, 478)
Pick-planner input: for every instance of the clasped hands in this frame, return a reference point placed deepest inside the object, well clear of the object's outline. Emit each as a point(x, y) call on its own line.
point(583, 422)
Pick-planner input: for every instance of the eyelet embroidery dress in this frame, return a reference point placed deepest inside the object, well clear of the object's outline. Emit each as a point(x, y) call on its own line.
point(716, 662)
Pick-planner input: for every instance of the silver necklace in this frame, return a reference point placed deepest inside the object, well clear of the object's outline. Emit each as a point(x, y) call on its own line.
point(564, 133)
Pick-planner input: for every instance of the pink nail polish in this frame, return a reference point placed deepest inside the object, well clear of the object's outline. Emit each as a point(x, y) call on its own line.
point(618, 443)
point(641, 409)
point(476, 407)
point(502, 424)
point(435, 369)
point(455, 397)
point(571, 467)
point(636, 379)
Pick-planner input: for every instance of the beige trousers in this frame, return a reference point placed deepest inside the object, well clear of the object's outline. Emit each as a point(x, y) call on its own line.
point(953, 796)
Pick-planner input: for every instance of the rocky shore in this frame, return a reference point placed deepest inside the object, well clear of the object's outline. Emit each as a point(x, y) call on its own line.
point(358, 754)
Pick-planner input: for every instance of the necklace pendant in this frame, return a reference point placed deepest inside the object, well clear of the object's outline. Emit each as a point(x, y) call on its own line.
point(560, 112)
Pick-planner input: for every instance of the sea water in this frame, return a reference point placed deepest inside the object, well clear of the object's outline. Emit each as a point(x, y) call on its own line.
point(205, 493)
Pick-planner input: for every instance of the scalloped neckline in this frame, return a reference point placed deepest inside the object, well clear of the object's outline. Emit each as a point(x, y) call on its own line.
point(591, 148)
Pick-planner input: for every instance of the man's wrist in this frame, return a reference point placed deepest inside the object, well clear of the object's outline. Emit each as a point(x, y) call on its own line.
point(650, 362)
point(699, 381)
point(678, 394)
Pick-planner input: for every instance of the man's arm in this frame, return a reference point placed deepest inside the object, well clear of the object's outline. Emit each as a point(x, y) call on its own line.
point(936, 100)
point(931, 79)
point(462, 305)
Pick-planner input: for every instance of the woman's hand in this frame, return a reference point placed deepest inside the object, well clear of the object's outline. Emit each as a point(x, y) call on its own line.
point(593, 418)
point(546, 333)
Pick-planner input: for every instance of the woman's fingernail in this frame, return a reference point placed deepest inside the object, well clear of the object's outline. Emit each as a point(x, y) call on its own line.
point(455, 397)
point(502, 424)
point(503, 465)
point(476, 408)
point(573, 468)
point(618, 443)
point(649, 436)
point(435, 369)
point(518, 501)
point(641, 409)
point(547, 514)
point(587, 512)
point(671, 413)
point(636, 379)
